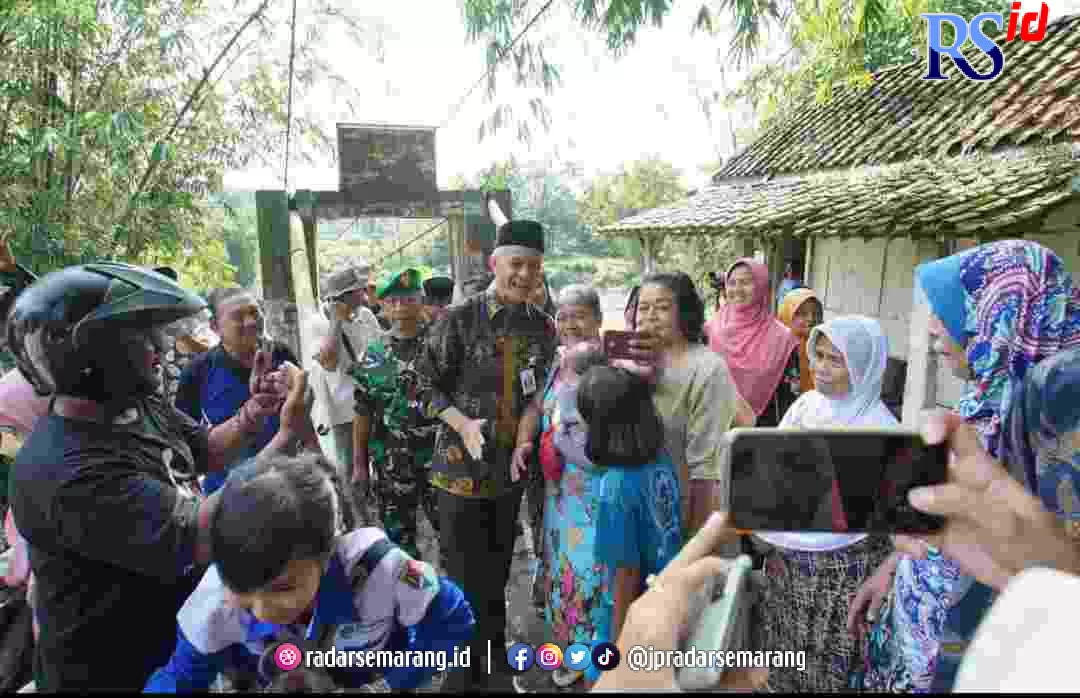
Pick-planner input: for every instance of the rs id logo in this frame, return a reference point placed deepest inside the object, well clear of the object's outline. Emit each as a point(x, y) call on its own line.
point(1030, 26)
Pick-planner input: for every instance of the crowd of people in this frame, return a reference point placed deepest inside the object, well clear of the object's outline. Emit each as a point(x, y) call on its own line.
point(263, 504)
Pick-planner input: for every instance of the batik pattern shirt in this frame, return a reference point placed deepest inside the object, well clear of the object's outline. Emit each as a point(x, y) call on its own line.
point(388, 390)
point(488, 360)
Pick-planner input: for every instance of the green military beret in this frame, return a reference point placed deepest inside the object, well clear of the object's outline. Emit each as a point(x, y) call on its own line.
point(403, 282)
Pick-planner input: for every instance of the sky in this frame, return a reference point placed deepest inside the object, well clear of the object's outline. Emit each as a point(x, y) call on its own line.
point(606, 111)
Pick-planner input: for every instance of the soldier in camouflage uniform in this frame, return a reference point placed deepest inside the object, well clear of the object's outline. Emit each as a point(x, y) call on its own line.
point(390, 425)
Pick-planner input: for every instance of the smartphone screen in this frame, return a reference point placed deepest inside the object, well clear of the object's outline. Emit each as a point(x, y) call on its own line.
point(617, 344)
point(853, 481)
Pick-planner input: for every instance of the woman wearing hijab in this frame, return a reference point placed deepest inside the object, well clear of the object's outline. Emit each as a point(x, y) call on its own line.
point(997, 311)
point(760, 352)
point(801, 311)
point(811, 577)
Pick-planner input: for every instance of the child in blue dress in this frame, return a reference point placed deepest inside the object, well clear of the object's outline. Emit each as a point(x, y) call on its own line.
point(637, 521)
point(288, 567)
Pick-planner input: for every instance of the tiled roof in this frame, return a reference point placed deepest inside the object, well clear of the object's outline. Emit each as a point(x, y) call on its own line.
point(1035, 100)
point(970, 194)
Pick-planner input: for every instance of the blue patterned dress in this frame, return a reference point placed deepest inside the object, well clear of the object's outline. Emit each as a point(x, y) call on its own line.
point(572, 579)
point(637, 528)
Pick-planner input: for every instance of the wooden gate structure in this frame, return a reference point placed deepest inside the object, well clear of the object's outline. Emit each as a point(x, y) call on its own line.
point(385, 172)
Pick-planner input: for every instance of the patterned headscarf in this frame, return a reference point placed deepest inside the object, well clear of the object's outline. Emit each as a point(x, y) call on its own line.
point(1010, 304)
point(1043, 426)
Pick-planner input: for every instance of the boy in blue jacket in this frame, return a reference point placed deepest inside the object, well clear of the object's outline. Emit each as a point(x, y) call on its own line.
point(289, 568)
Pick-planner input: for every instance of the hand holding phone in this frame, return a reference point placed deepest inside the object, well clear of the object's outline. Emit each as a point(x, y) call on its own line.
point(724, 623)
point(630, 346)
point(832, 481)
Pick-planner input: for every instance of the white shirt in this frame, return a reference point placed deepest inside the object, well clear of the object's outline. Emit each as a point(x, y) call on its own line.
point(335, 390)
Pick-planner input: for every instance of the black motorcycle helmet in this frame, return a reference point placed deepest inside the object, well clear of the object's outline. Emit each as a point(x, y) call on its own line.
point(81, 331)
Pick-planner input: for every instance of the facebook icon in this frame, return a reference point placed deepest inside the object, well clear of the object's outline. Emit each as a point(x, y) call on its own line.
point(520, 656)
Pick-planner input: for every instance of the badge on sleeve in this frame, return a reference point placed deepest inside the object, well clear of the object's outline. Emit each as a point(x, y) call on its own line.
point(528, 382)
point(417, 575)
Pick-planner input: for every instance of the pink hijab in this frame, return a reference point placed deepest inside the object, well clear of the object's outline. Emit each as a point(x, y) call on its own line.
point(754, 343)
point(20, 406)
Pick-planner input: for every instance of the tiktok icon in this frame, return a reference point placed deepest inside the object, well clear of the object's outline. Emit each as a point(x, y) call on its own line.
point(605, 656)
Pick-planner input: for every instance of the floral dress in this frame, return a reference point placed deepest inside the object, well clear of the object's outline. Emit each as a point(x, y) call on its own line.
point(637, 527)
point(903, 647)
point(572, 579)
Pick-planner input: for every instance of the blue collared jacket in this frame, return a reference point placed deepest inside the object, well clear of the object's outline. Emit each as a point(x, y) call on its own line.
point(402, 605)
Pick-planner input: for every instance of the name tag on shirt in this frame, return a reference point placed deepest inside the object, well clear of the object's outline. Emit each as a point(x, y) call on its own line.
point(528, 382)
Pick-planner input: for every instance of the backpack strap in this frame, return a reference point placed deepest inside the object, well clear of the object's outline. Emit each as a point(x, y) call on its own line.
point(348, 345)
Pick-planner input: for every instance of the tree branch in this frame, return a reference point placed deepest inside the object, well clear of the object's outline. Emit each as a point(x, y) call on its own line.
point(135, 240)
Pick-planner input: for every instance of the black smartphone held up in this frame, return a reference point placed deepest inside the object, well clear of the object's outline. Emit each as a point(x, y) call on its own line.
point(617, 344)
point(833, 481)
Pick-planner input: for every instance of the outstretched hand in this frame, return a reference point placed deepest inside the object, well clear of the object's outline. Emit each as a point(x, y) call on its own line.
point(994, 527)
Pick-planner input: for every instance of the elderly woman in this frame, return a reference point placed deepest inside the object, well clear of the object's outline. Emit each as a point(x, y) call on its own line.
point(811, 577)
point(998, 311)
point(760, 352)
point(695, 395)
point(571, 588)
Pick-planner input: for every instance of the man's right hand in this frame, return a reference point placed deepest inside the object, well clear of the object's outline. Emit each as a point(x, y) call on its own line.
point(472, 435)
point(470, 430)
point(519, 461)
point(295, 419)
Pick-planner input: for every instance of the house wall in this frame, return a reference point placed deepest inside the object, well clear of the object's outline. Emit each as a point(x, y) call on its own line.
point(876, 278)
point(869, 277)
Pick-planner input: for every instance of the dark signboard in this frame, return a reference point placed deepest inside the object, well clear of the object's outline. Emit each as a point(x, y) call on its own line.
point(385, 167)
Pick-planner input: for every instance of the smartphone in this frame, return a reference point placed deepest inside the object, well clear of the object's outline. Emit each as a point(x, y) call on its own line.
point(617, 344)
point(724, 625)
point(834, 481)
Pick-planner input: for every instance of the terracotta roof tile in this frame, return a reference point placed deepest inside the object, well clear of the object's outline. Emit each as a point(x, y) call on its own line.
point(974, 193)
point(901, 116)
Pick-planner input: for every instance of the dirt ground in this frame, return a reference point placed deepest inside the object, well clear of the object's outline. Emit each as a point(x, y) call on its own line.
point(523, 624)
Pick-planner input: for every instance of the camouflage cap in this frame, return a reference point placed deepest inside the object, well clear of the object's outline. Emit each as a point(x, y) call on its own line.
point(403, 281)
point(350, 279)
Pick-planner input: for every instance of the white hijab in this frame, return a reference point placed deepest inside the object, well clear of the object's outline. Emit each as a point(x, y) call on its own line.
point(866, 353)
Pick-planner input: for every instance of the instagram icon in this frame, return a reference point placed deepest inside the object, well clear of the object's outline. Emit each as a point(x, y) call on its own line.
point(549, 656)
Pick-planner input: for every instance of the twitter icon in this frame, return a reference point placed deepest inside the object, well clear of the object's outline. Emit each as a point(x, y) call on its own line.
point(577, 657)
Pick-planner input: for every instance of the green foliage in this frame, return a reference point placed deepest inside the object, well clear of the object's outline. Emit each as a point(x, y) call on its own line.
point(119, 117)
point(641, 185)
point(541, 193)
point(837, 42)
point(831, 42)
